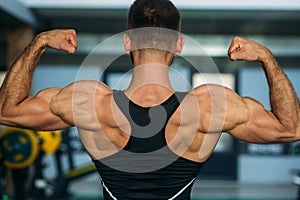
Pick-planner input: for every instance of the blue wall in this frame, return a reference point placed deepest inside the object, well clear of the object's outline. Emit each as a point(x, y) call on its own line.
point(252, 82)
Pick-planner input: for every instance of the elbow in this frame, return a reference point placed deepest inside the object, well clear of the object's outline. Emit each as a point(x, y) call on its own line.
point(5, 112)
point(6, 116)
point(291, 126)
point(297, 137)
point(4, 119)
point(3, 115)
point(290, 135)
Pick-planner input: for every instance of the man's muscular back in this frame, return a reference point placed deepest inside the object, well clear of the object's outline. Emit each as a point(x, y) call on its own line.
point(105, 130)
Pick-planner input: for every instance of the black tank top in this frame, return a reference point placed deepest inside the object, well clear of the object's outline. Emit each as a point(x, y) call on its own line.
point(146, 168)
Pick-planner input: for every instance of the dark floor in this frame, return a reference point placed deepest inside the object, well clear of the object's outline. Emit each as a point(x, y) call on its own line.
point(202, 190)
point(207, 190)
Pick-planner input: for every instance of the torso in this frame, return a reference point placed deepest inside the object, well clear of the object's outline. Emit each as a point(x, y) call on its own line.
point(112, 130)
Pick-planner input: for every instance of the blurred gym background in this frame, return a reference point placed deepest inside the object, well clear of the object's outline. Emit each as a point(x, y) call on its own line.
point(53, 165)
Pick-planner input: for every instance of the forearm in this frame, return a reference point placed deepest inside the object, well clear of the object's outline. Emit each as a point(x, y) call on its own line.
point(260, 125)
point(17, 83)
point(283, 98)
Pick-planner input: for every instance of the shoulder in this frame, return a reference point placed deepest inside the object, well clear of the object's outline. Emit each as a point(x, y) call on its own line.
point(222, 97)
point(221, 105)
point(210, 89)
point(88, 92)
point(103, 90)
point(90, 88)
point(89, 85)
point(215, 92)
point(211, 93)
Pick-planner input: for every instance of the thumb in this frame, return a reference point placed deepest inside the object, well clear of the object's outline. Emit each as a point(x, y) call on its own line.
point(73, 39)
point(235, 45)
point(71, 49)
point(237, 55)
point(71, 43)
point(235, 48)
point(69, 46)
point(233, 56)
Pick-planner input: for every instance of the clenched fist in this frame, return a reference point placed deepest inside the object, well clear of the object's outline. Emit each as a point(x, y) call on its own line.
point(64, 40)
point(244, 49)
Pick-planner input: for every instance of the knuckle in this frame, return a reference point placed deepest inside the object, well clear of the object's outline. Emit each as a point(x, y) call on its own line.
point(72, 31)
point(236, 37)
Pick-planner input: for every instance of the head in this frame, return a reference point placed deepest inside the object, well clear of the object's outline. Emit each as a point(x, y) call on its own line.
point(153, 13)
point(153, 29)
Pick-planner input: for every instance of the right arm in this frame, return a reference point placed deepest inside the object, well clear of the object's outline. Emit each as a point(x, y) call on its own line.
point(282, 123)
point(245, 118)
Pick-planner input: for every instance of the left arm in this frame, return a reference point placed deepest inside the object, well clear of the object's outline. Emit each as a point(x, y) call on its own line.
point(16, 107)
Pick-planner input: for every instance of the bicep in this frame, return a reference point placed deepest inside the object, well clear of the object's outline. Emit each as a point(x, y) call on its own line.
point(258, 125)
point(35, 113)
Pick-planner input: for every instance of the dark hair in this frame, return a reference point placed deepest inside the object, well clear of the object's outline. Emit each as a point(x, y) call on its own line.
point(153, 13)
point(153, 24)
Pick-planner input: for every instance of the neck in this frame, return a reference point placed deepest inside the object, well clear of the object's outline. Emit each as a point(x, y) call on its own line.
point(149, 78)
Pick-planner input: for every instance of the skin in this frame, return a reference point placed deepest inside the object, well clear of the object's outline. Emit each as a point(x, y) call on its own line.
point(192, 131)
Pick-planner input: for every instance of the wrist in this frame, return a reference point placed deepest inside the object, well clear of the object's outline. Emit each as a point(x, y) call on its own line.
point(41, 41)
point(36, 48)
point(265, 57)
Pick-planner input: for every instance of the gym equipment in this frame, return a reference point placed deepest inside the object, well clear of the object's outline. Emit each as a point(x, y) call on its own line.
point(50, 141)
point(24, 149)
point(20, 147)
point(3, 175)
point(64, 178)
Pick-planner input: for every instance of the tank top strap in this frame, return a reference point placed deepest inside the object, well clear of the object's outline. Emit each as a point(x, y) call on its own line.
point(147, 123)
point(125, 105)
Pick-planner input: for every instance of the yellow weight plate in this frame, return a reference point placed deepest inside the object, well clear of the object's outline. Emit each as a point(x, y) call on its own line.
point(20, 147)
point(50, 141)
